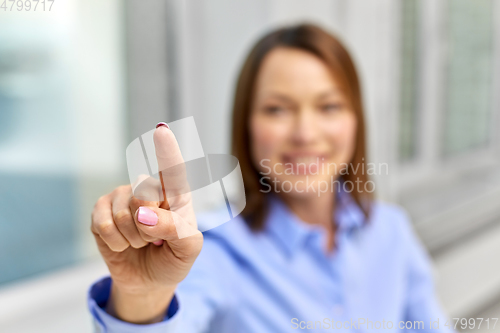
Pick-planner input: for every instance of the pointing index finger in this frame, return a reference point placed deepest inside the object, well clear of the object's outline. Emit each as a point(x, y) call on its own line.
point(168, 153)
point(171, 166)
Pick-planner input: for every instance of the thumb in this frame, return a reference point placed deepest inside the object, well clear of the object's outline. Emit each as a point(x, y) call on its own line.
point(168, 225)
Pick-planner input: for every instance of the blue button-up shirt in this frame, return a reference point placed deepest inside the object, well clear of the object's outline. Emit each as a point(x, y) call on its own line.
point(379, 277)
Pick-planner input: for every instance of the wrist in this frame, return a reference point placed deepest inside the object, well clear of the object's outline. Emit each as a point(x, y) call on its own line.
point(139, 307)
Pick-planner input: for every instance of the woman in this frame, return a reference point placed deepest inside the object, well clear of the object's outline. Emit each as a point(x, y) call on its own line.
point(311, 250)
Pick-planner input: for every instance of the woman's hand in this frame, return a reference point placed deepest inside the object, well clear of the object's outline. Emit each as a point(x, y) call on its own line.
point(144, 274)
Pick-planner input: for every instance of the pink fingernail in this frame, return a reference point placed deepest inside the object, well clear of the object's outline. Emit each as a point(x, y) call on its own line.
point(162, 124)
point(158, 242)
point(147, 216)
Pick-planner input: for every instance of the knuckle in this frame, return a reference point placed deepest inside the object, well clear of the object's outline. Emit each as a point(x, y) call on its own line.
point(123, 189)
point(106, 228)
point(100, 202)
point(123, 217)
point(102, 199)
point(135, 202)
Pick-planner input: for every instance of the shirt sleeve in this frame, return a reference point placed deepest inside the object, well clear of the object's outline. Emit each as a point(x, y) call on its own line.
point(205, 292)
point(105, 323)
point(422, 303)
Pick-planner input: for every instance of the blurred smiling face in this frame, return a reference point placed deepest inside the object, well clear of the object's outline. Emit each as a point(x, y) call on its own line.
point(302, 126)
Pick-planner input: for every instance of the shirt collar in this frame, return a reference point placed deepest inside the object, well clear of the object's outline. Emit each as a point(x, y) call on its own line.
point(292, 232)
point(348, 214)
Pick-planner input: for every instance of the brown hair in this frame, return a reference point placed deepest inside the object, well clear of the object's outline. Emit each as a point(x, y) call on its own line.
point(330, 50)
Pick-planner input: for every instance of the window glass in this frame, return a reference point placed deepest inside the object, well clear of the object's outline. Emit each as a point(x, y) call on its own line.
point(60, 140)
point(469, 76)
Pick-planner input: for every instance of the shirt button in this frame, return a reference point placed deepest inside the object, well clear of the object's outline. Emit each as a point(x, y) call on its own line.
point(337, 310)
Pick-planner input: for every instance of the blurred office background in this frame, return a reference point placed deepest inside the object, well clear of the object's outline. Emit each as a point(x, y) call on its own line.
point(78, 83)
